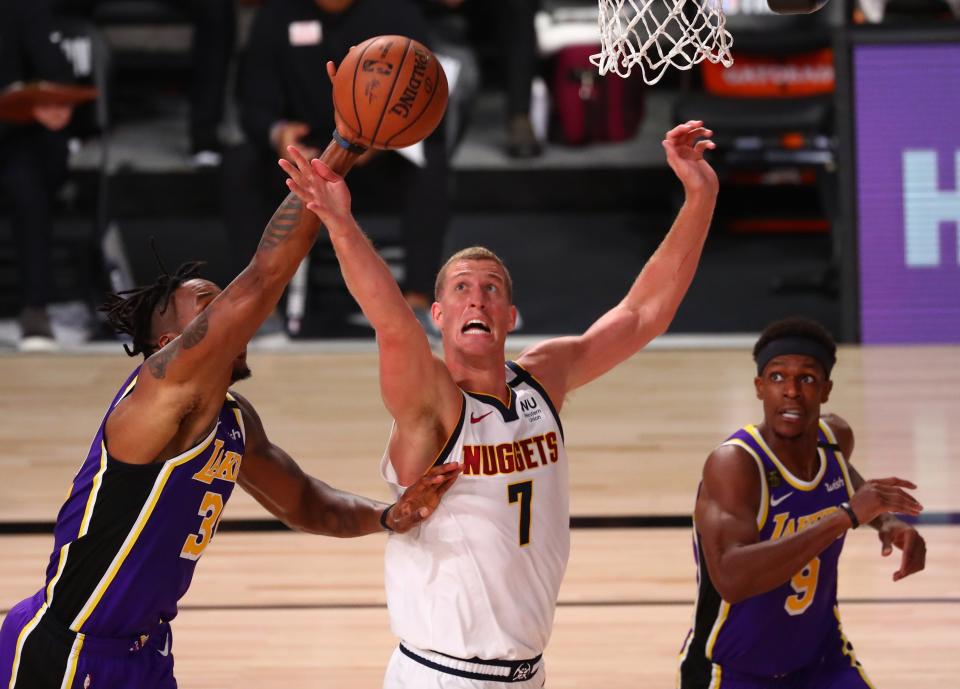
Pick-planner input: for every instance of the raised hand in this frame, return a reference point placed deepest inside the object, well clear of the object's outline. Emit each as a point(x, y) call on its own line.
point(322, 190)
point(883, 495)
point(685, 145)
point(421, 499)
point(896, 533)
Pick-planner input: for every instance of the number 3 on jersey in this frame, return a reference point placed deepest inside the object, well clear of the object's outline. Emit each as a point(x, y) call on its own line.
point(523, 492)
point(210, 510)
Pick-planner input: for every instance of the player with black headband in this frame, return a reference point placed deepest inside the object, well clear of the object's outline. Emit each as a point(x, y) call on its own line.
point(774, 505)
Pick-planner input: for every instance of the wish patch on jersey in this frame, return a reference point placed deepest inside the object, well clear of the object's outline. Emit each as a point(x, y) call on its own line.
point(783, 630)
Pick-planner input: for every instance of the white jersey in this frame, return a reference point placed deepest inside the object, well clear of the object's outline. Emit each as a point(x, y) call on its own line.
point(479, 579)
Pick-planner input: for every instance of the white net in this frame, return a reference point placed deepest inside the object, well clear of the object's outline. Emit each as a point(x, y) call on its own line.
point(657, 34)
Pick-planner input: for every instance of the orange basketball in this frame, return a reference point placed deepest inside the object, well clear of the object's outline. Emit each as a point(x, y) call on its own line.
point(389, 92)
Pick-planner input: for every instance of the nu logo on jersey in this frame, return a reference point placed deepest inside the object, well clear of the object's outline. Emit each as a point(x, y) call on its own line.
point(221, 465)
point(531, 410)
point(506, 458)
point(783, 525)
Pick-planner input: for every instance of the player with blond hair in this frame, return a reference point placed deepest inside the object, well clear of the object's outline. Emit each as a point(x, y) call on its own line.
point(472, 592)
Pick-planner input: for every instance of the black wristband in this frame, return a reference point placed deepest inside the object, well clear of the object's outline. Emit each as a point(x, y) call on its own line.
point(845, 506)
point(383, 518)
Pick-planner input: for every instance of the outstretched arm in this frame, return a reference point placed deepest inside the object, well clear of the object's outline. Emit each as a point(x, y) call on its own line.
point(305, 503)
point(188, 376)
point(569, 362)
point(416, 387)
point(740, 564)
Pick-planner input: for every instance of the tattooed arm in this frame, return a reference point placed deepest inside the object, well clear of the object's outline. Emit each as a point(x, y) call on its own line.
point(181, 387)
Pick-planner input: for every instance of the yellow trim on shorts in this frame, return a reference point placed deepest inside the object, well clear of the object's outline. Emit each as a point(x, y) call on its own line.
point(854, 663)
point(716, 676)
point(138, 526)
point(21, 640)
point(72, 662)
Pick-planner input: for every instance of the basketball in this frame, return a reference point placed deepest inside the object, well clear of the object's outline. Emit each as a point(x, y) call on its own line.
point(389, 92)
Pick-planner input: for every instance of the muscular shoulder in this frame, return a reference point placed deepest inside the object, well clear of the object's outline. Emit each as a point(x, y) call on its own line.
point(549, 362)
point(841, 429)
point(732, 478)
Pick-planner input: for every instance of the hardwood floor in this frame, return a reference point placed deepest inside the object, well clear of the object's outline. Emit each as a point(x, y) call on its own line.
point(283, 610)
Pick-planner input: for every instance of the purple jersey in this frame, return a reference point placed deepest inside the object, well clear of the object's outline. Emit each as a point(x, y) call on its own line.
point(128, 537)
point(786, 629)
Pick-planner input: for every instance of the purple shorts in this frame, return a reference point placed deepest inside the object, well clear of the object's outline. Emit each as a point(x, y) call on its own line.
point(45, 654)
point(837, 668)
point(820, 677)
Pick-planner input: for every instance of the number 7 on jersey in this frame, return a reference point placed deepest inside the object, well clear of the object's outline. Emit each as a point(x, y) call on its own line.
point(523, 492)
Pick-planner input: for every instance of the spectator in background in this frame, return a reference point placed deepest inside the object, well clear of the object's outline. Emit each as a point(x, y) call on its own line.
point(214, 29)
point(286, 99)
point(33, 159)
point(518, 63)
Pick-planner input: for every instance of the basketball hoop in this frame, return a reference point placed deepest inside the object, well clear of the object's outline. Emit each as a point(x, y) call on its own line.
point(657, 34)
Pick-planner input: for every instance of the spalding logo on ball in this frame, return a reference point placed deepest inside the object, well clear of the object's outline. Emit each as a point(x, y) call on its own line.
point(389, 92)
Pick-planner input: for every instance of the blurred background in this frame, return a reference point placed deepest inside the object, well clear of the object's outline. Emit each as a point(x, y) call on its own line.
point(837, 150)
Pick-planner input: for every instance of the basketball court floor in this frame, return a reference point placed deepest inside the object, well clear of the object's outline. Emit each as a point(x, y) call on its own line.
point(272, 609)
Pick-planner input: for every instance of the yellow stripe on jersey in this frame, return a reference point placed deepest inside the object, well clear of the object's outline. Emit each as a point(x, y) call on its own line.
point(790, 478)
point(72, 662)
point(61, 563)
point(715, 632)
point(94, 490)
point(764, 491)
point(126, 390)
point(847, 650)
point(134, 534)
point(84, 523)
point(827, 431)
point(21, 640)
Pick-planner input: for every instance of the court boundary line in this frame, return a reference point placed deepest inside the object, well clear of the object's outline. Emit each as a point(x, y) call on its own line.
point(582, 522)
point(634, 603)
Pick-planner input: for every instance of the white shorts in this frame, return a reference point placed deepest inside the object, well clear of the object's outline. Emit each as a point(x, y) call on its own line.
point(406, 673)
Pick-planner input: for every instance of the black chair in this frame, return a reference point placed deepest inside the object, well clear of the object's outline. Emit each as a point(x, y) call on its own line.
point(774, 136)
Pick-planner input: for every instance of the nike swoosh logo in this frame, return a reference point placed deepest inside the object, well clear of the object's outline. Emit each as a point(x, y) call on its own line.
point(776, 501)
point(166, 646)
point(478, 419)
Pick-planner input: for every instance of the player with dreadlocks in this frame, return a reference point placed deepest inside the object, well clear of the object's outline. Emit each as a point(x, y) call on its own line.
point(147, 500)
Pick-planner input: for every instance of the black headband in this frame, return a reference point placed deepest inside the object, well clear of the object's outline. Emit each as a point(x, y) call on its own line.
point(795, 345)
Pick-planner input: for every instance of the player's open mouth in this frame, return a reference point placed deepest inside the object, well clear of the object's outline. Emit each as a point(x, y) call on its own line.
point(475, 326)
point(791, 414)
